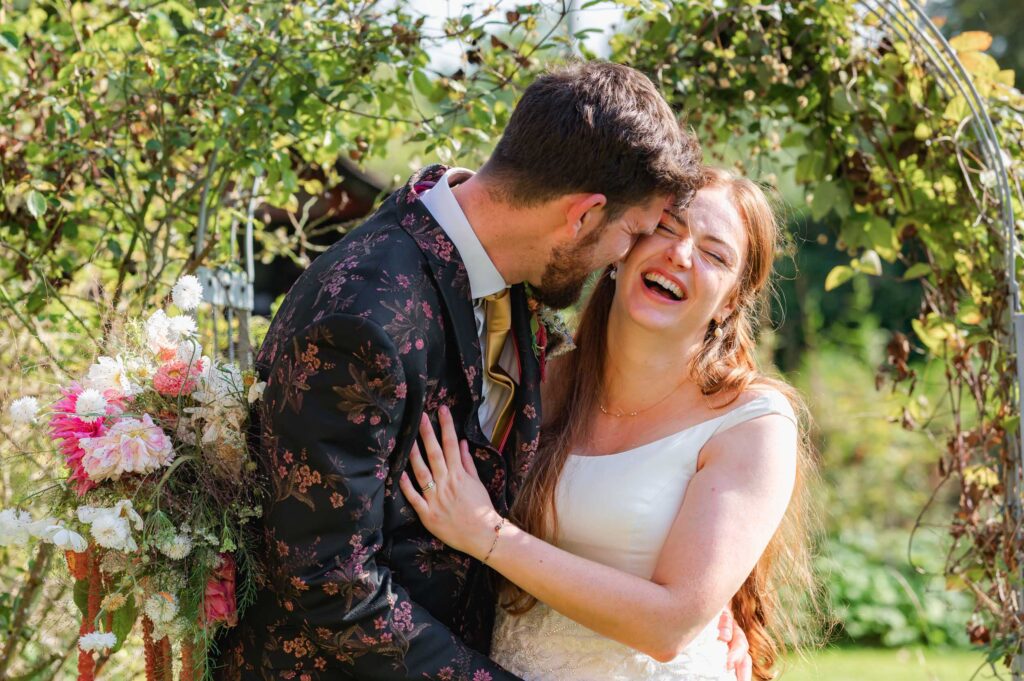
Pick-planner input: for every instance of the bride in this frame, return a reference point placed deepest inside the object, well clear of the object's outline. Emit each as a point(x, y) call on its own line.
point(669, 484)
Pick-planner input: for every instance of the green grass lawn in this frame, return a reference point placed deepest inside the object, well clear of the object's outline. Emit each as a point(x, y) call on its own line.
point(863, 664)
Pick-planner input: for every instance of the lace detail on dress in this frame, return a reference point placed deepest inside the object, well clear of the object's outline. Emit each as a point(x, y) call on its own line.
point(543, 645)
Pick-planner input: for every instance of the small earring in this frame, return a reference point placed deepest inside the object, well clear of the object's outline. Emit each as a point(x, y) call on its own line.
point(718, 332)
point(614, 273)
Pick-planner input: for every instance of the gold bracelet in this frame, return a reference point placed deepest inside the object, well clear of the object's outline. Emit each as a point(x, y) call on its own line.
point(497, 533)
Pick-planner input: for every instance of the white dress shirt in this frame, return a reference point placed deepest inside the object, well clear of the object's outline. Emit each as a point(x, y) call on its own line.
point(484, 280)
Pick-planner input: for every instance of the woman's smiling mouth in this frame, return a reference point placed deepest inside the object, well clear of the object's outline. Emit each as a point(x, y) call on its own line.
point(664, 286)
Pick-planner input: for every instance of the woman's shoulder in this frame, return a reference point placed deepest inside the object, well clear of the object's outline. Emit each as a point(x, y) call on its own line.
point(766, 399)
point(762, 419)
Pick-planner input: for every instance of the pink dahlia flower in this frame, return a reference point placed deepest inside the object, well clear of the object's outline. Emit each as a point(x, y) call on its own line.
point(129, 446)
point(70, 430)
point(177, 378)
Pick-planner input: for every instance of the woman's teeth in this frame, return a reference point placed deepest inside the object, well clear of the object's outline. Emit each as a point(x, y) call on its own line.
point(667, 287)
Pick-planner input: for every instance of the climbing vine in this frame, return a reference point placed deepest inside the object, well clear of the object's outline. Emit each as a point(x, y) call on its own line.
point(883, 149)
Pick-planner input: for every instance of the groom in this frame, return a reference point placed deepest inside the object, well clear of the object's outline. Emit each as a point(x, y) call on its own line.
point(425, 305)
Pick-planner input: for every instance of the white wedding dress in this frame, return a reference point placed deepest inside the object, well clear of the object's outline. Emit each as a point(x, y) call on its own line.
point(617, 510)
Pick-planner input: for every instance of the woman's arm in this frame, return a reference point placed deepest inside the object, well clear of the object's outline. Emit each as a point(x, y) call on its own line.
point(732, 508)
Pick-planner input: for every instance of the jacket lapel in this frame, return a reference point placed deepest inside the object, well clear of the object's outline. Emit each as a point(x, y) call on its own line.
point(452, 280)
point(521, 443)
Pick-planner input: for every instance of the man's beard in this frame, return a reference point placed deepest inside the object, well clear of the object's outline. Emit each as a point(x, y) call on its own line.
point(567, 271)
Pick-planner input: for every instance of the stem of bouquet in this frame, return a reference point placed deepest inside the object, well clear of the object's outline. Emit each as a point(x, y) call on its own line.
point(159, 663)
point(166, 659)
point(150, 649)
point(86, 663)
point(187, 660)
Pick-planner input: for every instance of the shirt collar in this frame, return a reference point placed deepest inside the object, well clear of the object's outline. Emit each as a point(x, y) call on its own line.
point(484, 277)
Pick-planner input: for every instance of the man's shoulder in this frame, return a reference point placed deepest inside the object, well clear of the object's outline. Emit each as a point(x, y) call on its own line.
point(374, 272)
point(377, 241)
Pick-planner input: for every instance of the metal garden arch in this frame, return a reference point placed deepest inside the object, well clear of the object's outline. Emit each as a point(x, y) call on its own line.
point(907, 21)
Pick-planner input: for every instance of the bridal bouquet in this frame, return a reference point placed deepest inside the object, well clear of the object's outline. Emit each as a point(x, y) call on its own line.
point(152, 515)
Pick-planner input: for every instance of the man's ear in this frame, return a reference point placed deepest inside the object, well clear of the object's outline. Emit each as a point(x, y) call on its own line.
point(583, 210)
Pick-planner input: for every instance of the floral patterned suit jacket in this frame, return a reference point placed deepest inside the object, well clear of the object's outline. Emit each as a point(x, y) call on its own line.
point(378, 330)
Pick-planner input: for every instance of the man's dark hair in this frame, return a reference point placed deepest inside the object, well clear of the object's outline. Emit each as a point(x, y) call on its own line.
point(594, 127)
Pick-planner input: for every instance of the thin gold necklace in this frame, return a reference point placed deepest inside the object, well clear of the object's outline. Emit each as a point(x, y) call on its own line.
point(630, 414)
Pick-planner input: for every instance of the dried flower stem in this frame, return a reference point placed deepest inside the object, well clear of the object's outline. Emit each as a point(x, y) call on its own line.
point(166, 660)
point(150, 649)
point(187, 661)
point(90, 564)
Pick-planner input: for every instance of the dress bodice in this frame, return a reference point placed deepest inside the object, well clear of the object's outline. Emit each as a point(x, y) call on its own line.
point(618, 509)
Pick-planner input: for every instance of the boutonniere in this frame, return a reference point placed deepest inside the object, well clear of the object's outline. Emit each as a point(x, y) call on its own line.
point(551, 335)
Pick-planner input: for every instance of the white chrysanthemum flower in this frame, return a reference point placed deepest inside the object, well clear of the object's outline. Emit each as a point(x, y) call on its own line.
point(96, 641)
point(187, 293)
point(161, 607)
point(112, 527)
point(112, 532)
point(90, 405)
point(140, 369)
point(182, 327)
point(988, 179)
point(111, 373)
point(174, 629)
point(177, 547)
point(24, 410)
point(190, 351)
point(256, 391)
point(14, 527)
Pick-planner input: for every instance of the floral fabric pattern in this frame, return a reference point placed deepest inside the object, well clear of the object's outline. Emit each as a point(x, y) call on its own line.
point(378, 330)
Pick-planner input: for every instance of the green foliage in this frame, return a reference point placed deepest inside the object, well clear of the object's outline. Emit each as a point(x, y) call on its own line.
point(883, 573)
point(855, 115)
point(880, 599)
point(129, 131)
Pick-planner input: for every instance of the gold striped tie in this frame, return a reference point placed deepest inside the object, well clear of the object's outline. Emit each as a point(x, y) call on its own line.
point(498, 322)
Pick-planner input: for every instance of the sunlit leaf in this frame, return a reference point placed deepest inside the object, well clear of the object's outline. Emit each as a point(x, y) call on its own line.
point(36, 203)
point(869, 263)
point(979, 64)
point(971, 40)
point(839, 275)
point(917, 271)
point(957, 109)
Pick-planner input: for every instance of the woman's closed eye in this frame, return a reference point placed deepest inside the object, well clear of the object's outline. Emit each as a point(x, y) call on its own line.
point(718, 258)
